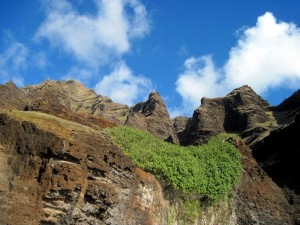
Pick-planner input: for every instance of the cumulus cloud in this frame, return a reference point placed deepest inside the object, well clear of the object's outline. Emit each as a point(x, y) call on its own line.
point(94, 39)
point(266, 57)
point(121, 85)
point(199, 78)
point(12, 62)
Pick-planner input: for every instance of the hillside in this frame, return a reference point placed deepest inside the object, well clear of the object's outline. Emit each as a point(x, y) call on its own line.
point(60, 163)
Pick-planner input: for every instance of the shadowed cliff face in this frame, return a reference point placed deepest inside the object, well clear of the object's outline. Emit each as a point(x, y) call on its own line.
point(58, 172)
point(279, 155)
point(258, 199)
point(238, 111)
point(153, 116)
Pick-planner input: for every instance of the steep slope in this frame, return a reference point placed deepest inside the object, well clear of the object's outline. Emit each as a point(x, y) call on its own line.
point(286, 111)
point(58, 172)
point(180, 123)
point(12, 97)
point(240, 110)
point(279, 155)
point(258, 200)
point(74, 97)
point(153, 116)
point(54, 171)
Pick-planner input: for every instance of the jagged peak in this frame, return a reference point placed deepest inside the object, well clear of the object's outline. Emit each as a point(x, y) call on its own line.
point(242, 89)
point(246, 91)
point(290, 103)
point(155, 96)
point(10, 83)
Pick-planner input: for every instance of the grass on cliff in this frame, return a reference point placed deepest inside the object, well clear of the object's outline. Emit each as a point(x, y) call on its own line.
point(209, 171)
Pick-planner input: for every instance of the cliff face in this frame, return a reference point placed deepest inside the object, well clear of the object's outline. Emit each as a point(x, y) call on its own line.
point(57, 166)
point(58, 172)
point(153, 116)
point(258, 200)
point(238, 111)
point(279, 155)
point(74, 97)
point(12, 97)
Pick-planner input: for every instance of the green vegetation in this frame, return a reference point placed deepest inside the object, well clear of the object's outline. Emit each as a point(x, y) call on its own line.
point(208, 171)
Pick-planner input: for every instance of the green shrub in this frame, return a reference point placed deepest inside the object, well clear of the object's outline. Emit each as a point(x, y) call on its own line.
point(209, 171)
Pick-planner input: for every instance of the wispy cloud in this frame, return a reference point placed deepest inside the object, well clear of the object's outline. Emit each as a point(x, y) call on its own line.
point(266, 56)
point(94, 39)
point(13, 61)
point(123, 86)
point(98, 41)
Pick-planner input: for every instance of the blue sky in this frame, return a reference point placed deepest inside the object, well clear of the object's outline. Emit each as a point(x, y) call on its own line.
point(126, 48)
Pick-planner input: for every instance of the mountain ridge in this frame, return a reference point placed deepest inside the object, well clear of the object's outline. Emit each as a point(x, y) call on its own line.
point(51, 135)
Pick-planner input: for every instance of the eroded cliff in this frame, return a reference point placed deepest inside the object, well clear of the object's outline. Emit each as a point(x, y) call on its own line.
point(58, 172)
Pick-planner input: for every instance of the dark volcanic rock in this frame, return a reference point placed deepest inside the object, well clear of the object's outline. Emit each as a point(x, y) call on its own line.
point(180, 124)
point(291, 103)
point(238, 111)
point(286, 111)
point(279, 155)
point(53, 171)
point(258, 199)
point(154, 117)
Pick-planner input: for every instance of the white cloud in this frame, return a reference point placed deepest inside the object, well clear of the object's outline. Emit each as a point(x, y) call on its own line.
point(198, 79)
point(94, 39)
point(123, 86)
point(12, 62)
point(266, 56)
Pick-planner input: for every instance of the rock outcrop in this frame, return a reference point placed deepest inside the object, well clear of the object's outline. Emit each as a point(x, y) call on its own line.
point(57, 166)
point(58, 172)
point(279, 155)
point(240, 110)
point(74, 97)
point(12, 97)
point(180, 123)
point(154, 117)
point(258, 200)
point(286, 111)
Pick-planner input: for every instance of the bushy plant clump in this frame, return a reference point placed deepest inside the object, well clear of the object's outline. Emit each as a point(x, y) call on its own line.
point(210, 170)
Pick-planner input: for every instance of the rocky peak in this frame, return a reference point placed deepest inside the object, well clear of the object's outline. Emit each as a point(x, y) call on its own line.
point(286, 111)
point(75, 97)
point(11, 96)
point(155, 104)
point(238, 111)
point(154, 117)
point(245, 95)
point(290, 103)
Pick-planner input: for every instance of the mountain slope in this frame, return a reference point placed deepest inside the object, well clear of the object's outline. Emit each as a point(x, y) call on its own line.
point(57, 166)
point(238, 111)
point(58, 172)
point(153, 116)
